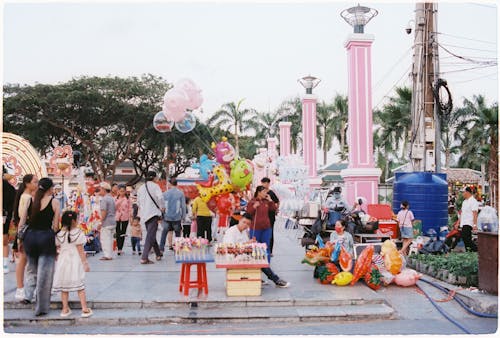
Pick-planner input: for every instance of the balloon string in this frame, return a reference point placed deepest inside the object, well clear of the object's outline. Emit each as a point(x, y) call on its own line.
point(204, 143)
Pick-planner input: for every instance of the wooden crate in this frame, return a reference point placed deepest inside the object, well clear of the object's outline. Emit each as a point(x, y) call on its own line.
point(243, 282)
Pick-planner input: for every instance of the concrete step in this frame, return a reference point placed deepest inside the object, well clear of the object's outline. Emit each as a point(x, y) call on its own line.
point(187, 314)
point(201, 302)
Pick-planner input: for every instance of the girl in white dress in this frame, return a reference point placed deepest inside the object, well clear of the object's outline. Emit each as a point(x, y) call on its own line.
point(71, 263)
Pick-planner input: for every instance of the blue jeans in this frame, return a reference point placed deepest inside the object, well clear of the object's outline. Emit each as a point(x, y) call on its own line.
point(263, 236)
point(333, 217)
point(169, 226)
point(39, 275)
point(136, 243)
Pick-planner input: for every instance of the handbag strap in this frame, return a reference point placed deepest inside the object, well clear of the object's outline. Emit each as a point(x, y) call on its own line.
point(151, 196)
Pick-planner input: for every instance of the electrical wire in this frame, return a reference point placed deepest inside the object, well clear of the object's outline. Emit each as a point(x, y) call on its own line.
point(444, 313)
point(392, 68)
point(478, 49)
point(467, 69)
point(476, 78)
point(392, 88)
point(464, 38)
point(443, 108)
point(465, 58)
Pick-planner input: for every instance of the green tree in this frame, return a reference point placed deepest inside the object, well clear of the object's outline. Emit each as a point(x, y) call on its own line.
point(104, 117)
point(291, 111)
point(477, 135)
point(325, 128)
point(232, 114)
point(265, 125)
point(341, 118)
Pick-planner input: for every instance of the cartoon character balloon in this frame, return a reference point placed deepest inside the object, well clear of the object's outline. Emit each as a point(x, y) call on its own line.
point(205, 166)
point(224, 153)
point(241, 173)
point(223, 185)
point(161, 123)
point(187, 124)
point(224, 208)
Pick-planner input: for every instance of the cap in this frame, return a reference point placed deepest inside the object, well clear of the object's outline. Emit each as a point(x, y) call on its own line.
point(105, 186)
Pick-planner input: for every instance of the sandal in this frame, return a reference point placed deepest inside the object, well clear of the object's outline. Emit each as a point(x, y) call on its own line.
point(87, 313)
point(105, 258)
point(159, 257)
point(147, 262)
point(66, 314)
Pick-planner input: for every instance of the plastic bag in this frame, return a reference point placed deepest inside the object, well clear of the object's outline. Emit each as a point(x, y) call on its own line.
point(487, 220)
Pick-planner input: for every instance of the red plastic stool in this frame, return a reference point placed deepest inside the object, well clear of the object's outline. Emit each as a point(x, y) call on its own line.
point(200, 283)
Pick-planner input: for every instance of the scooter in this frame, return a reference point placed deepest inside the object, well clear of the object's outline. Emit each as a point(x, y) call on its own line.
point(315, 229)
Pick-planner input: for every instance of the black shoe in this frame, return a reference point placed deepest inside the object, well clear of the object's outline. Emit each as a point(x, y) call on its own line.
point(280, 283)
point(171, 248)
point(26, 301)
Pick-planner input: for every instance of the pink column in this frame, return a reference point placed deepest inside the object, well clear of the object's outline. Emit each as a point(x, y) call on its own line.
point(361, 177)
point(309, 133)
point(285, 128)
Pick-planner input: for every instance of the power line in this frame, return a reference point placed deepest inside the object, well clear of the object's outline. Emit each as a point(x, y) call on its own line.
point(465, 58)
point(394, 86)
point(465, 38)
point(476, 78)
point(466, 69)
point(478, 49)
point(392, 68)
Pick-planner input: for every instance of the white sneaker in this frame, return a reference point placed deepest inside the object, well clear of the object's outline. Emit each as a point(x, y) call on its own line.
point(19, 294)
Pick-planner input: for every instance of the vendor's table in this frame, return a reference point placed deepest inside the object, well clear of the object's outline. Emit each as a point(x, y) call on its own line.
point(371, 238)
point(243, 279)
point(201, 281)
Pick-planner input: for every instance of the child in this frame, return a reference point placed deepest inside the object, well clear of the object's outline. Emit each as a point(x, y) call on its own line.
point(136, 235)
point(71, 263)
point(405, 219)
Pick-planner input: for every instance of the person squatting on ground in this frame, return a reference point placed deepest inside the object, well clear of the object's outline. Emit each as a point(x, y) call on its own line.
point(40, 247)
point(266, 182)
point(151, 207)
point(175, 211)
point(71, 264)
point(123, 207)
point(23, 200)
point(136, 235)
point(203, 217)
point(107, 227)
point(405, 219)
point(240, 234)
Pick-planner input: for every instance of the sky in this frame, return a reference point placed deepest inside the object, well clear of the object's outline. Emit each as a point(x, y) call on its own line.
point(251, 50)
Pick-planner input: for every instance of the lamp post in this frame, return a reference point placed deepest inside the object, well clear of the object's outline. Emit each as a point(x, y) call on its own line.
point(309, 123)
point(361, 177)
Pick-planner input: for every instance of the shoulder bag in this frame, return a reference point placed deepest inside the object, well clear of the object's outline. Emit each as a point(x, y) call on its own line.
point(146, 184)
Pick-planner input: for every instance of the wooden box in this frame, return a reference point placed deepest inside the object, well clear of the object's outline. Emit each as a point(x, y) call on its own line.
point(243, 282)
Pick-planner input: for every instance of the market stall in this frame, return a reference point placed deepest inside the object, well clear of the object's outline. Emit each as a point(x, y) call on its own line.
point(189, 252)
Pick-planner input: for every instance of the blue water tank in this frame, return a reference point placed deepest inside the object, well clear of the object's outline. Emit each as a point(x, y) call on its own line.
point(427, 194)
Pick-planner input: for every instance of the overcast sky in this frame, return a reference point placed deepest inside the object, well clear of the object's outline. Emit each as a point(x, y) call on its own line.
point(232, 51)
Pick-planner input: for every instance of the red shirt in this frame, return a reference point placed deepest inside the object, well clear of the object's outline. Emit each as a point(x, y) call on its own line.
point(261, 213)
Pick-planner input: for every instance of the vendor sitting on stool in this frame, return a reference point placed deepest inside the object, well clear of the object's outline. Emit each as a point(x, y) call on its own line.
point(335, 204)
point(239, 234)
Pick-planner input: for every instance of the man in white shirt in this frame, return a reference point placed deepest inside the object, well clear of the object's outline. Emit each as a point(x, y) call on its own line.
point(239, 234)
point(151, 206)
point(468, 218)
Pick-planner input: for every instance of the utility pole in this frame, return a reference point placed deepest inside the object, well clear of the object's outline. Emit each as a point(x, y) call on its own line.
point(425, 134)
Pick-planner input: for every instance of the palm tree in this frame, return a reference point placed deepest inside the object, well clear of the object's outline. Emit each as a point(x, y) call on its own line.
point(265, 126)
point(341, 118)
point(231, 114)
point(477, 134)
point(325, 128)
point(395, 120)
point(449, 123)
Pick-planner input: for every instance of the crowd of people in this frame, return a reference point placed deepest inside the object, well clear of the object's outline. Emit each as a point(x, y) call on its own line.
point(48, 248)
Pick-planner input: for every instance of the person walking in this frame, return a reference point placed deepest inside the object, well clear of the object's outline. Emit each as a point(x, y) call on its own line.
point(239, 233)
point(71, 264)
point(175, 211)
point(23, 200)
point(40, 247)
point(136, 235)
point(123, 208)
point(8, 198)
point(151, 207)
point(203, 217)
point(266, 182)
point(405, 219)
point(107, 227)
point(468, 218)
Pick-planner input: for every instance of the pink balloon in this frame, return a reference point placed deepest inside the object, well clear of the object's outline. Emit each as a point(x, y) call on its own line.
point(192, 91)
point(195, 101)
point(175, 101)
point(175, 116)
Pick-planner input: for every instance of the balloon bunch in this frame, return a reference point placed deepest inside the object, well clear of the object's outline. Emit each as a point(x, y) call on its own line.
point(294, 174)
point(394, 268)
point(179, 105)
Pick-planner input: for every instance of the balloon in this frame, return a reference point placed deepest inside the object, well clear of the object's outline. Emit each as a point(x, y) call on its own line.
point(407, 277)
point(342, 278)
point(205, 166)
point(224, 152)
point(186, 125)
point(393, 262)
point(192, 91)
point(161, 123)
point(224, 208)
point(241, 173)
point(174, 103)
point(363, 264)
point(223, 186)
point(176, 117)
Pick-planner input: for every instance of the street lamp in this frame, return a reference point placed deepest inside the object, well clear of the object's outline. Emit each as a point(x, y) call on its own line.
point(309, 82)
point(358, 17)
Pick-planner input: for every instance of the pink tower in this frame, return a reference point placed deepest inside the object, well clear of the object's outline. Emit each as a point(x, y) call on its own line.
point(285, 128)
point(309, 148)
point(361, 177)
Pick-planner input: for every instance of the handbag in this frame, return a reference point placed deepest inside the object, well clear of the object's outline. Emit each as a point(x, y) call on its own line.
point(161, 216)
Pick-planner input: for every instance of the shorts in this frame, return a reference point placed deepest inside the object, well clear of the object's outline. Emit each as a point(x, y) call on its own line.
point(6, 225)
point(406, 232)
point(173, 226)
